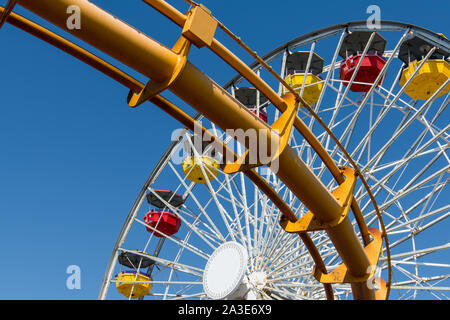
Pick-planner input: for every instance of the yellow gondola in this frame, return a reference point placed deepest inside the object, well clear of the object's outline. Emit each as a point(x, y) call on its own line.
point(192, 168)
point(131, 287)
point(312, 89)
point(431, 76)
point(296, 64)
point(427, 80)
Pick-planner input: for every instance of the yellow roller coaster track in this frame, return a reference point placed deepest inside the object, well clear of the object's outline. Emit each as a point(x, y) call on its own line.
point(170, 69)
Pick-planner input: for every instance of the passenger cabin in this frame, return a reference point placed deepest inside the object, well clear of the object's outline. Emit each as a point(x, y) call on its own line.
point(159, 198)
point(129, 283)
point(298, 77)
point(202, 168)
point(162, 222)
point(431, 76)
point(248, 96)
point(135, 259)
point(371, 65)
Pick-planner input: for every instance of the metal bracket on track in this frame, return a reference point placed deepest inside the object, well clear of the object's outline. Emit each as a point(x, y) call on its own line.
point(342, 275)
point(282, 127)
point(8, 9)
point(152, 88)
point(309, 223)
point(343, 194)
point(198, 29)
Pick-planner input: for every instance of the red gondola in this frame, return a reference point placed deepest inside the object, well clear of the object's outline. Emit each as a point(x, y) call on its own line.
point(164, 221)
point(368, 71)
point(262, 114)
point(371, 65)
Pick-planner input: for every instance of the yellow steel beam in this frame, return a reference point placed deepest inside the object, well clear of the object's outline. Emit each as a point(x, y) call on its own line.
point(175, 112)
point(154, 60)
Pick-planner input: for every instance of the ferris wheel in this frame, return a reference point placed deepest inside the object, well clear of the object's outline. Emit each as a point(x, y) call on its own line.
point(223, 239)
point(352, 205)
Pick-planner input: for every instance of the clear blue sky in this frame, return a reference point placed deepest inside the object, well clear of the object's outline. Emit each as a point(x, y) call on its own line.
point(73, 155)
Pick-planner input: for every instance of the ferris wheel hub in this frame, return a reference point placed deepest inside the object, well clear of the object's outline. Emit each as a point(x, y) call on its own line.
point(225, 270)
point(255, 284)
point(258, 279)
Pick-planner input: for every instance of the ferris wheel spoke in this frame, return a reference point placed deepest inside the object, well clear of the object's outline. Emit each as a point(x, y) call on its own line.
point(383, 72)
point(425, 264)
point(225, 217)
point(343, 96)
point(189, 296)
point(406, 213)
point(246, 212)
point(436, 279)
point(200, 232)
point(270, 250)
point(263, 222)
point(432, 283)
point(203, 228)
point(419, 230)
point(199, 206)
point(170, 264)
point(285, 294)
point(421, 218)
point(176, 260)
point(405, 191)
point(280, 263)
point(323, 168)
point(305, 285)
point(421, 184)
point(289, 276)
point(407, 256)
point(401, 129)
point(428, 205)
point(417, 281)
point(277, 244)
point(391, 103)
point(422, 171)
point(374, 160)
point(330, 73)
point(401, 165)
point(188, 246)
point(236, 214)
point(162, 282)
point(431, 290)
point(270, 231)
point(256, 195)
